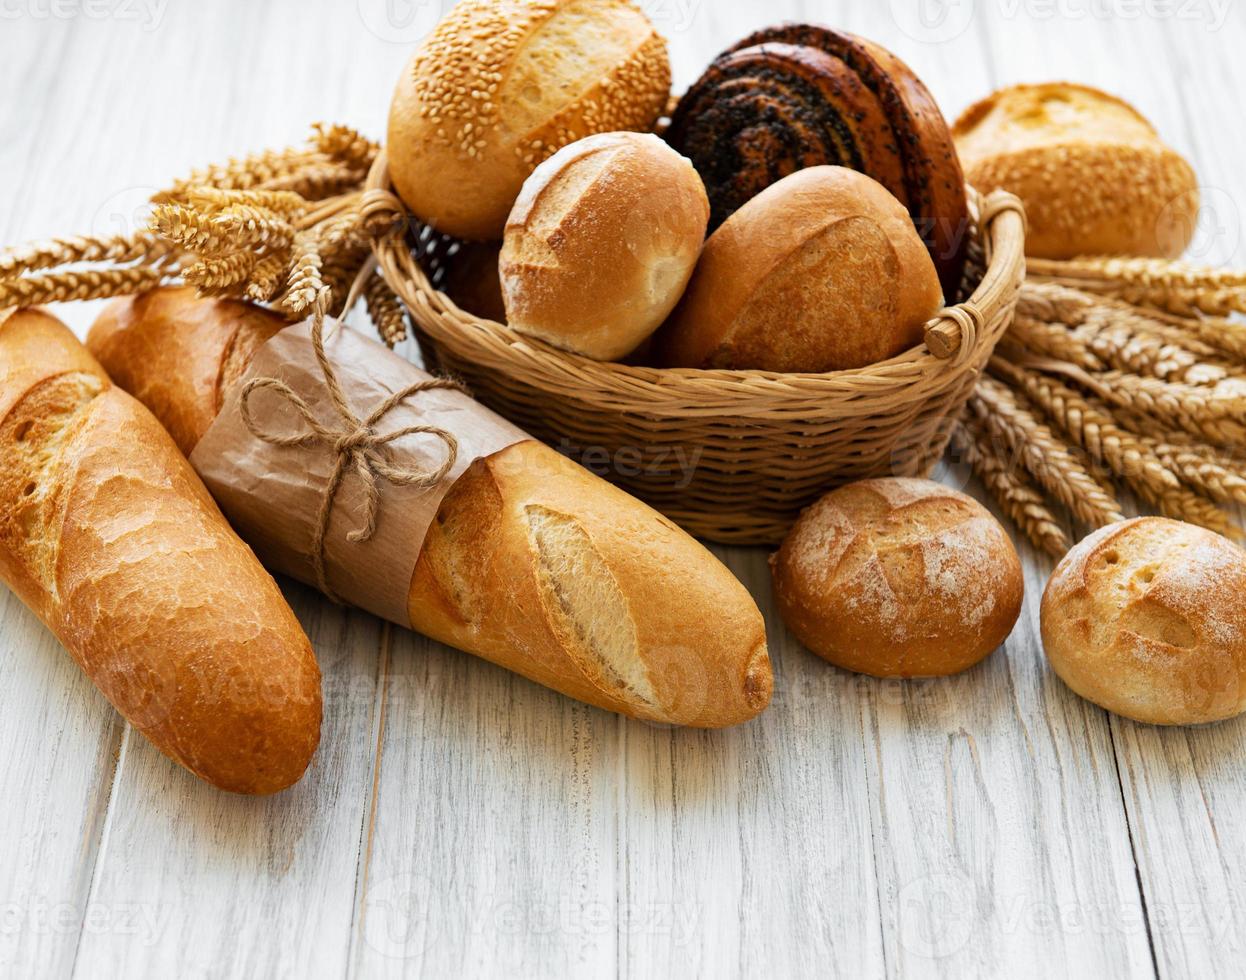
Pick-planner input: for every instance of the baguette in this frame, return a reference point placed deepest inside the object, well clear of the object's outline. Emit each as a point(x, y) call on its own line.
point(107, 534)
point(532, 562)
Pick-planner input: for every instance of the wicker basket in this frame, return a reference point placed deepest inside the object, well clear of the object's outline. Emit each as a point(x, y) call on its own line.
point(733, 456)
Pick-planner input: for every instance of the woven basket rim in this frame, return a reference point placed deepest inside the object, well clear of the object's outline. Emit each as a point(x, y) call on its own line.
point(1000, 221)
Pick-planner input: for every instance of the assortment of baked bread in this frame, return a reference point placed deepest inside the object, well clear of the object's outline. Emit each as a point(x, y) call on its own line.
point(806, 211)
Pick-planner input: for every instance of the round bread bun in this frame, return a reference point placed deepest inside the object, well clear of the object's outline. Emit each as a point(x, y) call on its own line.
point(821, 271)
point(898, 578)
point(1145, 618)
point(500, 85)
point(602, 242)
point(1094, 175)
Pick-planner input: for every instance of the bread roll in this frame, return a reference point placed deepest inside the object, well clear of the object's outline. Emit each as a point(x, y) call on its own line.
point(822, 271)
point(800, 95)
point(532, 562)
point(500, 85)
point(602, 242)
point(1145, 618)
point(108, 535)
point(1095, 177)
point(899, 578)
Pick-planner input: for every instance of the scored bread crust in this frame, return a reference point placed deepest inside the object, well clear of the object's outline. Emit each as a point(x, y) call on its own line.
point(494, 90)
point(578, 586)
point(525, 547)
point(602, 242)
point(1094, 175)
point(1145, 618)
point(899, 578)
point(107, 534)
point(822, 271)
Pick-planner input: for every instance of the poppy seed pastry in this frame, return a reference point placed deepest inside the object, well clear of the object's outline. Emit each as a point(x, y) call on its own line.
point(822, 271)
point(1145, 618)
point(501, 85)
point(799, 96)
point(1093, 173)
point(899, 578)
point(602, 242)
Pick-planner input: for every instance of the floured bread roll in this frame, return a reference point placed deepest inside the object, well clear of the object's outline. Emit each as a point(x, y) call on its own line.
point(899, 578)
point(1146, 618)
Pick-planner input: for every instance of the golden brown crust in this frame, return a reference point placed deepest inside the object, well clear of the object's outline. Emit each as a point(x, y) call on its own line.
point(109, 536)
point(822, 271)
point(899, 578)
point(602, 242)
point(527, 544)
point(801, 95)
point(178, 354)
point(537, 565)
point(1095, 177)
point(499, 87)
point(1145, 618)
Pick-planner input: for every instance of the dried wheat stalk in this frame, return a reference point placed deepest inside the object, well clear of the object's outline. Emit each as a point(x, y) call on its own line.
point(1177, 287)
point(1133, 458)
point(1055, 340)
point(1045, 457)
point(1089, 425)
point(306, 285)
point(1017, 496)
point(68, 286)
point(1213, 474)
point(73, 251)
point(386, 311)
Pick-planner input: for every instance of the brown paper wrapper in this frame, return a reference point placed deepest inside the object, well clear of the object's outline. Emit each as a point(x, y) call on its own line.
point(272, 494)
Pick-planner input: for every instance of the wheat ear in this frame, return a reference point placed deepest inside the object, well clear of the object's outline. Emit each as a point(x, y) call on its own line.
point(65, 287)
point(1017, 496)
point(1045, 457)
point(386, 311)
point(1090, 426)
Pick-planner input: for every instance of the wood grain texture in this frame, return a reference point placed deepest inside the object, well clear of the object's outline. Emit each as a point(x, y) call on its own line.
point(459, 820)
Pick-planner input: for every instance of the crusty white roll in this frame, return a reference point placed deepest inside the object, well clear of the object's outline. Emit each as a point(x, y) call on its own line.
point(1094, 175)
point(899, 578)
point(602, 242)
point(822, 271)
point(532, 561)
point(1146, 619)
point(500, 85)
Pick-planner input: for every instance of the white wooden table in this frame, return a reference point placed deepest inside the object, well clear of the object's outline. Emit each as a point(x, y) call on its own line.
point(460, 821)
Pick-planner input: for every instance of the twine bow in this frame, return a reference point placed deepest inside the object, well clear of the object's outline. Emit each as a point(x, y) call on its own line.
point(355, 443)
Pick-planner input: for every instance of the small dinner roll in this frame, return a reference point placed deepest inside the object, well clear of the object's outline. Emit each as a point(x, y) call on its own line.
point(899, 578)
point(821, 271)
point(602, 242)
point(1146, 618)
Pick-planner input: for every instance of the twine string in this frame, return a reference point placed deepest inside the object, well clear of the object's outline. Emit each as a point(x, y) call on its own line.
point(354, 442)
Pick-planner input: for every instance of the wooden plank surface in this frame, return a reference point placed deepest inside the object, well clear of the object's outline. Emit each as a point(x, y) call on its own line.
point(459, 820)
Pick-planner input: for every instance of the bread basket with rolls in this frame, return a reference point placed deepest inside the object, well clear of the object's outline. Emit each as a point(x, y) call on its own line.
point(736, 446)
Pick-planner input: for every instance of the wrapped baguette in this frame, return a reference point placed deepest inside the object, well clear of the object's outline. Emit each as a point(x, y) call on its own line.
point(107, 534)
point(531, 562)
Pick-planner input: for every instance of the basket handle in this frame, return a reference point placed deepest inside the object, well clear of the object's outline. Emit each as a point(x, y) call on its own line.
point(953, 334)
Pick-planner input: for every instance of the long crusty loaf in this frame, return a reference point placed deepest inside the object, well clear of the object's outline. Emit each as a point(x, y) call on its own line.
point(532, 562)
point(108, 535)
